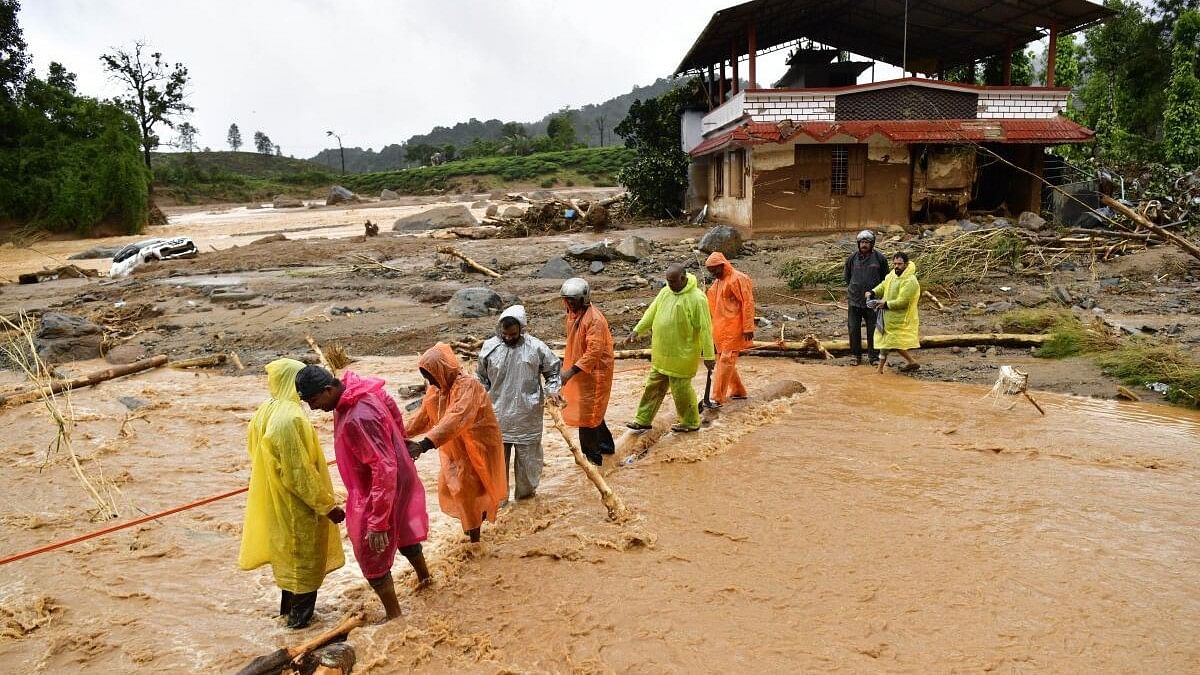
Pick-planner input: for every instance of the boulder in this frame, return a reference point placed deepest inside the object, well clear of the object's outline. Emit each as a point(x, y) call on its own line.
point(63, 337)
point(472, 303)
point(477, 232)
point(492, 210)
point(556, 268)
point(388, 195)
point(454, 215)
point(125, 354)
point(1032, 299)
point(96, 252)
point(947, 230)
point(1000, 223)
point(633, 248)
point(480, 205)
point(600, 250)
point(541, 194)
point(722, 238)
point(285, 202)
point(1062, 295)
point(596, 267)
point(512, 212)
point(597, 218)
point(1031, 221)
point(340, 195)
point(968, 225)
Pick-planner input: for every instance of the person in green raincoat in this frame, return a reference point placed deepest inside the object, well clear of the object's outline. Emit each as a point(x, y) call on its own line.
point(291, 513)
point(681, 336)
point(898, 296)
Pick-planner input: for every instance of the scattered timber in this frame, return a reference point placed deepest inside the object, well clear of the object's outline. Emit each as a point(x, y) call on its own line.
point(451, 251)
point(199, 362)
point(58, 386)
point(1142, 221)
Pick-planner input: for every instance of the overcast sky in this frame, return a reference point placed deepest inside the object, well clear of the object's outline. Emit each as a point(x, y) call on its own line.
point(376, 71)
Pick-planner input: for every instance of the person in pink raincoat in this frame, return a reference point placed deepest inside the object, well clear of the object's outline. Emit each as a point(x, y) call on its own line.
point(385, 504)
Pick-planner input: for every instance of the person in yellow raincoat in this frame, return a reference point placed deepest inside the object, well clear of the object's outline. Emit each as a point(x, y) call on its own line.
point(456, 417)
point(681, 337)
point(291, 513)
point(897, 297)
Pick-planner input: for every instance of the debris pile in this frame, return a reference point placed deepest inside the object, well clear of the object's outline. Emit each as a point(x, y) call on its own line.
point(558, 215)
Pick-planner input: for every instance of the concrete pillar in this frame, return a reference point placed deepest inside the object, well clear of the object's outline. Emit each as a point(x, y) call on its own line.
point(721, 84)
point(752, 46)
point(1052, 56)
point(1008, 65)
point(733, 60)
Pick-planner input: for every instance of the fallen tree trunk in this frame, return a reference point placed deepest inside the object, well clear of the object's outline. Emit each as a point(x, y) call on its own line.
point(1141, 220)
point(448, 250)
point(616, 508)
point(58, 386)
point(199, 362)
point(777, 348)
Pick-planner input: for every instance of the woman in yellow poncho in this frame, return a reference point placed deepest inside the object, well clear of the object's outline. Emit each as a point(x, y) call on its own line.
point(291, 514)
point(899, 294)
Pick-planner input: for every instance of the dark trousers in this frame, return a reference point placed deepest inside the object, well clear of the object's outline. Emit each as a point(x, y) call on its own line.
point(855, 318)
point(596, 441)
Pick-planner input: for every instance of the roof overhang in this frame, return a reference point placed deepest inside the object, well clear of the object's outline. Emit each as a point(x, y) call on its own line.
point(940, 33)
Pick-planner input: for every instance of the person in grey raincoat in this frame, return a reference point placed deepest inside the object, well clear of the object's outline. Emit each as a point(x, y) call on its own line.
point(511, 367)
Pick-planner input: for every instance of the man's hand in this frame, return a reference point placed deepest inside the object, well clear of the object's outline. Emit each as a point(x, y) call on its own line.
point(336, 514)
point(377, 541)
point(418, 448)
point(710, 364)
point(749, 336)
point(567, 374)
point(633, 337)
point(556, 399)
point(882, 304)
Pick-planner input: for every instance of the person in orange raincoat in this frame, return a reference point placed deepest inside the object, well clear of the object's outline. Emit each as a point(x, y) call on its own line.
point(731, 304)
point(456, 417)
point(587, 371)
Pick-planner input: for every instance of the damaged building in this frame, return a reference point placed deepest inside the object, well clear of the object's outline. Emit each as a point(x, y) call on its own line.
point(819, 151)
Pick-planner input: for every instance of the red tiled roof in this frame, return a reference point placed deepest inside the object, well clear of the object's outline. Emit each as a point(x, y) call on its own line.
point(1049, 131)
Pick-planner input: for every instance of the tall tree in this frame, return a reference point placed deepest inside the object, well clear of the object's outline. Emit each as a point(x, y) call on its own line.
point(234, 137)
point(14, 61)
point(186, 136)
point(561, 130)
point(262, 143)
point(154, 90)
point(657, 175)
point(1181, 138)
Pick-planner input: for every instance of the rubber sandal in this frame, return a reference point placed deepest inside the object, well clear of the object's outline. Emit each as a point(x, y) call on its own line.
point(680, 429)
point(638, 427)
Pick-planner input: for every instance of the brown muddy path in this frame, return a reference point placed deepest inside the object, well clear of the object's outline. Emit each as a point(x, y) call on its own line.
point(873, 524)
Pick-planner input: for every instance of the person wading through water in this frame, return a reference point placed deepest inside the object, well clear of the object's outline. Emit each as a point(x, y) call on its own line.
point(681, 337)
point(511, 367)
point(385, 501)
point(587, 371)
point(291, 513)
point(456, 417)
point(865, 269)
point(731, 306)
point(899, 294)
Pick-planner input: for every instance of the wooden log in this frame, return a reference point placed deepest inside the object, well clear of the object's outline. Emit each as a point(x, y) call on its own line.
point(237, 361)
point(613, 200)
point(320, 354)
point(789, 348)
point(88, 380)
point(1141, 220)
point(199, 362)
point(451, 251)
point(616, 508)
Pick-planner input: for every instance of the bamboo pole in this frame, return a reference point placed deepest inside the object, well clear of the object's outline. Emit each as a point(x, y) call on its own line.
point(58, 386)
point(199, 362)
point(451, 251)
point(1141, 220)
point(616, 508)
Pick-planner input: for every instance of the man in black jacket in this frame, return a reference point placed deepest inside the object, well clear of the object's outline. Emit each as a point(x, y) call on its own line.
point(864, 270)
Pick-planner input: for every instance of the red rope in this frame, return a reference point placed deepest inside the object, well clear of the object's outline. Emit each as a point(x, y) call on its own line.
point(116, 528)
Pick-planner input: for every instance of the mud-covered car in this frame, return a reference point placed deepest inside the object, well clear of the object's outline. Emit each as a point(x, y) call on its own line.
point(135, 255)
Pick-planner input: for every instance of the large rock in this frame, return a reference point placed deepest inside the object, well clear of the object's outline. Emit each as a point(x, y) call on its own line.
point(722, 238)
point(454, 215)
point(556, 268)
point(492, 210)
point(600, 250)
point(512, 212)
point(63, 337)
point(340, 195)
point(947, 230)
point(286, 202)
point(96, 252)
point(633, 248)
point(388, 195)
point(1031, 221)
point(472, 303)
point(597, 218)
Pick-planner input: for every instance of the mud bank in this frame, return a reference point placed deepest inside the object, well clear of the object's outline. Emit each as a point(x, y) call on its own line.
point(874, 523)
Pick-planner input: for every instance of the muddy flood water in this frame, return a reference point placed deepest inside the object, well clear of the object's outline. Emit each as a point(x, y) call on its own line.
point(874, 523)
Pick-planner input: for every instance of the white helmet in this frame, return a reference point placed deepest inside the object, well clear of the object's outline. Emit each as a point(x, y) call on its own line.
point(576, 287)
point(866, 235)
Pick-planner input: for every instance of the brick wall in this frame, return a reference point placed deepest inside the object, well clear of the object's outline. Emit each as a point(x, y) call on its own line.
point(1020, 104)
point(776, 107)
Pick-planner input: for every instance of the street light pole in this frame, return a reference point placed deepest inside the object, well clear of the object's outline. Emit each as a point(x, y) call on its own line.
point(341, 150)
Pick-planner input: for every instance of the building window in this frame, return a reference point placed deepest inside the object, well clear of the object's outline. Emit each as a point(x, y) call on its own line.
point(856, 170)
point(718, 168)
point(737, 174)
point(839, 170)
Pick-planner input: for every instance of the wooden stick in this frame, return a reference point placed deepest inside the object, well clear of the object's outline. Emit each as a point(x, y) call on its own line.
point(320, 354)
point(89, 380)
point(933, 297)
point(237, 361)
point(1141, 220)
point(616, 508)
point(1035, 403)
point(843, 346)
point(199, 362)
point(449, 250)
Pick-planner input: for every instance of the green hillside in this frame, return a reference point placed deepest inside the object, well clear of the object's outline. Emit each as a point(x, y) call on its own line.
point(253, 164)
point(206, 177)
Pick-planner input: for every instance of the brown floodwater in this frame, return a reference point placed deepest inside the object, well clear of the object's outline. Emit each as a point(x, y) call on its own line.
point(874, 523)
